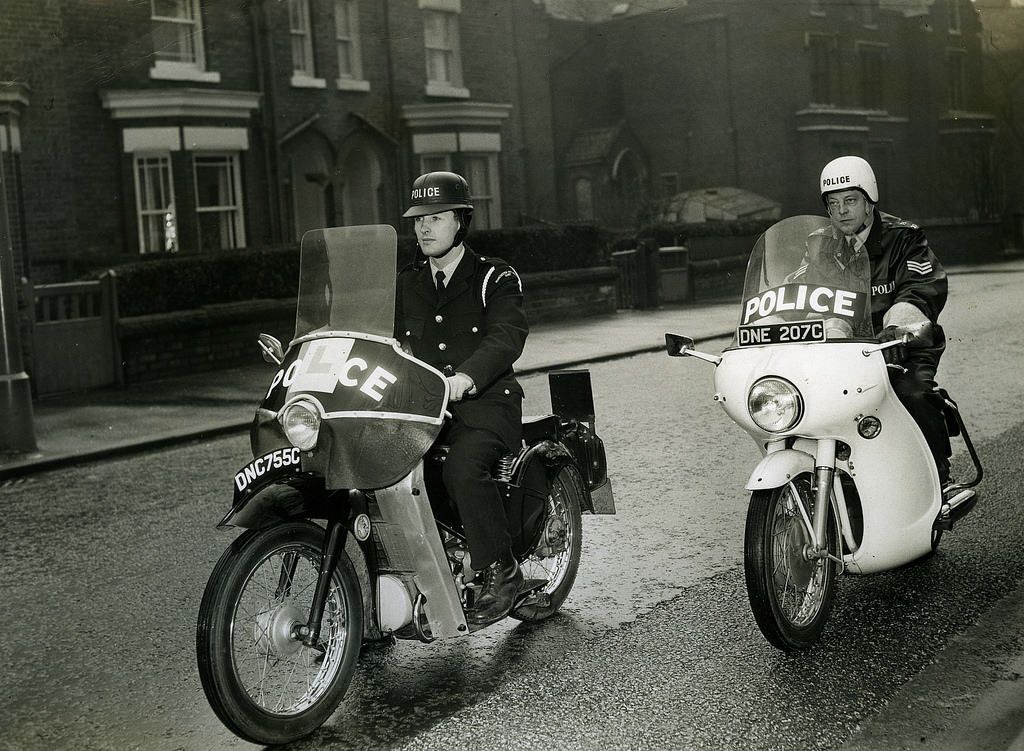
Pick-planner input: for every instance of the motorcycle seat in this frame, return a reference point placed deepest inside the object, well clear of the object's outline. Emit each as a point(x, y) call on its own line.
point(538, 427)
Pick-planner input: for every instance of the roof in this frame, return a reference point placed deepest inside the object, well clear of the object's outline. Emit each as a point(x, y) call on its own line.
point(594, 11)
point(722, 203)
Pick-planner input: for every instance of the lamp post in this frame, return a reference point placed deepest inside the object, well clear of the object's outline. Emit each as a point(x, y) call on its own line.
point(17, 430)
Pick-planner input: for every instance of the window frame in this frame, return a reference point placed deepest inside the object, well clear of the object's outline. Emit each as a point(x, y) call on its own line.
point(300, 39)
point(449, 50)
point(348, 47)
point(823, 47)
point(954, 16)
point(234, 211)
point(956, 78)
point(668, 184)
point(190, 28)
point(144, 216)
point(878, 53)
point(871, 8)
point(486, 203)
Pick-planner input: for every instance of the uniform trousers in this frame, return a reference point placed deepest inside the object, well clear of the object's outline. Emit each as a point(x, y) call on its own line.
point(916, 390)
point(467, 477)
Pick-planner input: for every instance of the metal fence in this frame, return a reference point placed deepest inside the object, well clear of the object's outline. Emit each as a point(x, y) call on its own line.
point(650, 276)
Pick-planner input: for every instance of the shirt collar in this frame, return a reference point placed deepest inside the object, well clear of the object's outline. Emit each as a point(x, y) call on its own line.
point(451, 262)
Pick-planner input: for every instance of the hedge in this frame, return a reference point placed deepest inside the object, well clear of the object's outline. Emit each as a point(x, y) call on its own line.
point(162, 284)
point(680, 234)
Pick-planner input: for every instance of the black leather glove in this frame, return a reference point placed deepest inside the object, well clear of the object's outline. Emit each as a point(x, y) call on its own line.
point(893, 355)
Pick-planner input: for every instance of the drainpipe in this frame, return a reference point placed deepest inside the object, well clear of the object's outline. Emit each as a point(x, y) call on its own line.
point(731, 103)
point(263, 51)
point(15, 389)
point(399, 157)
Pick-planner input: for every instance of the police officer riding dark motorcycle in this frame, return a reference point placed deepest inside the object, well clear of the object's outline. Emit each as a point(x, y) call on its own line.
point(463, 314)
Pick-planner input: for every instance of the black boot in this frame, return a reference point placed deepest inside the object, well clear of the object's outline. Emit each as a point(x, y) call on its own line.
point(503, 580)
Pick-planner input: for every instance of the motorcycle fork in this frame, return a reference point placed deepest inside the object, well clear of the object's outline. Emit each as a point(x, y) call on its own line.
point(824, 473)
point(334, 546)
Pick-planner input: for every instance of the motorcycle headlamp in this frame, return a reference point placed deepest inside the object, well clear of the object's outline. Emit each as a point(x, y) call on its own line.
point(301, 423)
point(775, 404)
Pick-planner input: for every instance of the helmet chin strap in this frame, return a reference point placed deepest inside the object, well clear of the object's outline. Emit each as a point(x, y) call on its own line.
point(864, 225)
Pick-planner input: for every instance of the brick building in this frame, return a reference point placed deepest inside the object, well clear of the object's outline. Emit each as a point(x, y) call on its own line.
point(184, 125)
point(133, 127)
point(664, 97)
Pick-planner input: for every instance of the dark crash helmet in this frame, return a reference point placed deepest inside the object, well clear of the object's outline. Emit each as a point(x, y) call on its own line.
point(435, 192)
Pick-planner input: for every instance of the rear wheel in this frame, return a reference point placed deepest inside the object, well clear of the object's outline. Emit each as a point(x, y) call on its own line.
point(262, 682)
point(790, 592)
point(556, 556)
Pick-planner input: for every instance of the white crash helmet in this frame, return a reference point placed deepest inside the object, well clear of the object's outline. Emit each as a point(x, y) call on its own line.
point(849, 173)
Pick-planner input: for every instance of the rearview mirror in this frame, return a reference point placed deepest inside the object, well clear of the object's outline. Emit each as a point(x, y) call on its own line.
point(677, 345)
point(271, 348)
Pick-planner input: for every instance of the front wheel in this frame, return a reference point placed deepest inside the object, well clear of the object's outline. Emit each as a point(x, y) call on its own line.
point(262, 682)
point(556, 556)
point(790, 592)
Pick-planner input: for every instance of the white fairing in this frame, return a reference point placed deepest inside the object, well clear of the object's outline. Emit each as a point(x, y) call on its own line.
point(894, 472)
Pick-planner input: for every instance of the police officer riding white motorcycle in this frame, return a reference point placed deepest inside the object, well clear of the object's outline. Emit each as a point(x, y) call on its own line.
point(908, 287)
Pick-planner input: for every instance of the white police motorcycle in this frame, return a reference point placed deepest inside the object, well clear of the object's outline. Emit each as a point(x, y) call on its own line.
point(846, 482)
point(345, 436)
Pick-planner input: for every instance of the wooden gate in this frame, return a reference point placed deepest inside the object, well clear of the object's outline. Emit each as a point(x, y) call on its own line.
point(74, 336)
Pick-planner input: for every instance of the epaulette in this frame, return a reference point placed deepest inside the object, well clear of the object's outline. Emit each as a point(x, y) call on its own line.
point(491, 278)
point(895, 221)
point(413, 265)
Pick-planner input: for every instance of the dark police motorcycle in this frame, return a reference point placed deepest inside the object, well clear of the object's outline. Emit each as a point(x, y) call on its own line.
point(346, 434)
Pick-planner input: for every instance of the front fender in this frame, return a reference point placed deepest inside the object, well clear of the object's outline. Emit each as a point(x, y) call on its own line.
point(778, 468)
point(300, 494)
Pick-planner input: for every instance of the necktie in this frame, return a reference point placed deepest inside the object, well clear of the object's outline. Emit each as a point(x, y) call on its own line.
point(851, 249)
point(439, 278)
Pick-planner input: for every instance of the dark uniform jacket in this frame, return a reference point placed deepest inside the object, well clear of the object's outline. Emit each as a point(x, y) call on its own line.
point(903, 269)
point(477, 326)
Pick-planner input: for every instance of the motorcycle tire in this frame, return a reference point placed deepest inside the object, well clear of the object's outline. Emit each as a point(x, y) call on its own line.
point(264, 684)
point(790, 596)
point(556, 556)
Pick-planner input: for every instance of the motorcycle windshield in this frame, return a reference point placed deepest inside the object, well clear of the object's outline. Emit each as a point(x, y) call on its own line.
point(347, 280)
point(805, 282)
point(380, 408)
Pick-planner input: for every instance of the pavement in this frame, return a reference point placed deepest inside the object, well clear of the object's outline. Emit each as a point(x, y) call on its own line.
point(104, 423)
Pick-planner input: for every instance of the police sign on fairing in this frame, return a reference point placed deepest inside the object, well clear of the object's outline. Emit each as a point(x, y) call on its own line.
point(797, 298)
point(324, 364)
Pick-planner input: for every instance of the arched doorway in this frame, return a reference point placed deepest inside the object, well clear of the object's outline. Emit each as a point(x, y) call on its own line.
point(309, 157)
point(359, 178)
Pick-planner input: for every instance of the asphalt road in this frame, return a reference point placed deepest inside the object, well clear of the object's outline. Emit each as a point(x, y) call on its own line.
point(104, 565)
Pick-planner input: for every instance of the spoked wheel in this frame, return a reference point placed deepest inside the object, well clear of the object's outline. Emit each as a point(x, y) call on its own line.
point(263, 683)
point(556, 557)
point(790, 593)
